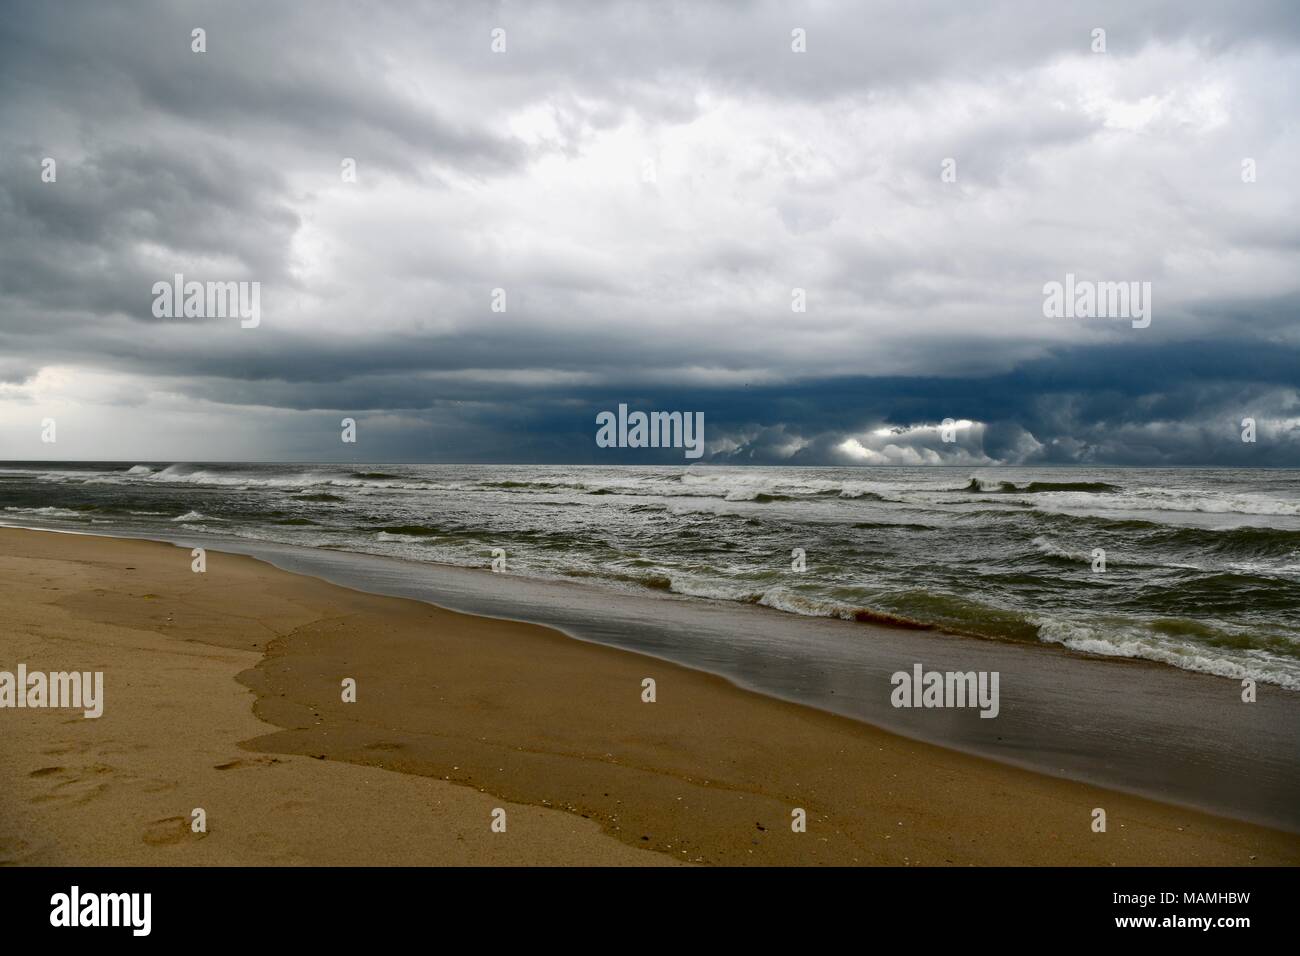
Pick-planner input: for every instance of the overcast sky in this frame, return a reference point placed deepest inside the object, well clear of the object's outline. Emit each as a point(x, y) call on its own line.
point(648, 182)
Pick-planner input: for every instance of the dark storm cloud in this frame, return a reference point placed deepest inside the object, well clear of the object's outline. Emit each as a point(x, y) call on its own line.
point(276, 71)
point(89, 246)
point(1119, 406)
point(771, 171)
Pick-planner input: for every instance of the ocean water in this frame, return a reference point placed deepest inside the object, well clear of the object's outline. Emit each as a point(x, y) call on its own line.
point(1202, 565)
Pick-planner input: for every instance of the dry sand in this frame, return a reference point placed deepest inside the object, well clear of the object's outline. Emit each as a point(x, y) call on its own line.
point(222, 691)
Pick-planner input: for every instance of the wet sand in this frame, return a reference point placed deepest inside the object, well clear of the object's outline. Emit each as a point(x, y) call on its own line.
point(222, 691)
point(1120, 724)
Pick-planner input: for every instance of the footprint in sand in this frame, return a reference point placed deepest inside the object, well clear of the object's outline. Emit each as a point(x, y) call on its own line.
point(169, 831)
point(62, 749)
point(235, 764)
point(13, 851)
point(72, 785)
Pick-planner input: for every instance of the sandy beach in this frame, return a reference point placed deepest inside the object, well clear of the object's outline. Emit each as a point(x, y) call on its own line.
point(222, 692)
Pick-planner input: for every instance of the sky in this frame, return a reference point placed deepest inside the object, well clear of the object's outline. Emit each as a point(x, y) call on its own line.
point(644, 186)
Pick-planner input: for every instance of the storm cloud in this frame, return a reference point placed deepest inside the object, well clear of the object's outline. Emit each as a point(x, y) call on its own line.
point(653, 187)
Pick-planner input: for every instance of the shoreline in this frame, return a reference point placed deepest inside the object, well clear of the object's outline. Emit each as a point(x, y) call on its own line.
point(261, 548)
point(708, 773)
point(1164, 733)
point(1176, 630)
